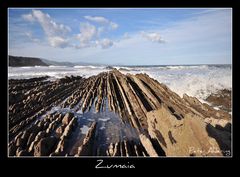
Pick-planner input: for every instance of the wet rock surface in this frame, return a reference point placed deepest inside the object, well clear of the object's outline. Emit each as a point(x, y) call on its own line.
point(221, 99)
point(112, 114)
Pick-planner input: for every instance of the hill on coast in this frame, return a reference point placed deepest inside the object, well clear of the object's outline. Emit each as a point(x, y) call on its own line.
point(16, 61)
point(19, 61)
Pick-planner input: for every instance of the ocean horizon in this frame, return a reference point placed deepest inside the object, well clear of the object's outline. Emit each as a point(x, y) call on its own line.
point(195, 80)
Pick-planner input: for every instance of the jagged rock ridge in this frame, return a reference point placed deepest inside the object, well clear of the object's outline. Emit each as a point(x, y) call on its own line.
point(144, 118)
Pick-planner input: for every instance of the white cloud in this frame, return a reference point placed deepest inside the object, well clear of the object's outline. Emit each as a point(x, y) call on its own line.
point(105, 43)
point(28, 17)
point(103, 21)
point(154, 37)
point(82, 45)
point(126, 36)
point(204, 38)
point(88, 37)
point(30, 36)
point(50, 27)
point(100, 30)
point(87, 32)
point(55, 33)
point(57, 41)
point(97, 19)
point(113, 25)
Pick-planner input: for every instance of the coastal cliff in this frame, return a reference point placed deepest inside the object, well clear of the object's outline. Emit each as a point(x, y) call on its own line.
point(15, 61)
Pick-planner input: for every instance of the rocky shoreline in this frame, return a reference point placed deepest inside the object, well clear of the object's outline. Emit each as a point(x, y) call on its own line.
point(221, 100)
point(112, 114)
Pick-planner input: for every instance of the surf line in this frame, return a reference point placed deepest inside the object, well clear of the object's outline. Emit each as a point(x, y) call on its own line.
point(101, 164)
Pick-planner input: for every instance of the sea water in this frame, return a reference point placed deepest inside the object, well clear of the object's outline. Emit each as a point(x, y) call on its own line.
point(195, 80)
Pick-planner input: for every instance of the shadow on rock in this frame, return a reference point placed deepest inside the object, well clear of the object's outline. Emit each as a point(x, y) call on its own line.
point(222, 135)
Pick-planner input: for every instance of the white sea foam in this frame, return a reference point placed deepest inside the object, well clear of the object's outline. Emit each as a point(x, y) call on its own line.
point(79, 66)
point(104, 119)
point(198, 81)
point(54, 66)
point(89, 67)
point(53, 71)
point(84, 129)
point(26, 67)
point(102, 128)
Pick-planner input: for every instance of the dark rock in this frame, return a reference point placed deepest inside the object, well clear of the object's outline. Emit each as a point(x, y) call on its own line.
point(61, 147)
point(12, 149)
point(87, 147)
point(30, 139)
point(40, 135)
point(20, 142)
point(45, 146)
point(67, 131)
point(67, 118)
point(23, 153)
point(222, 99)
point(60, 130)
point(147, 144)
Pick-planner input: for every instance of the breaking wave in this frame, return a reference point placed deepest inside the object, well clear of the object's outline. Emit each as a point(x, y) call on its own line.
point(197, 80)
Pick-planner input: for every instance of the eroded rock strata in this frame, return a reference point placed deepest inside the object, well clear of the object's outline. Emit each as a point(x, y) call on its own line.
point(112, 114)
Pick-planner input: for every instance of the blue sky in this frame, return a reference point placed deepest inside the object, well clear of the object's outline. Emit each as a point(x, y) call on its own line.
point(123, 36)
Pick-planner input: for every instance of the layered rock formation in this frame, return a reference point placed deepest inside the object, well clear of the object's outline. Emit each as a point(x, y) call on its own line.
point(46, 118)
